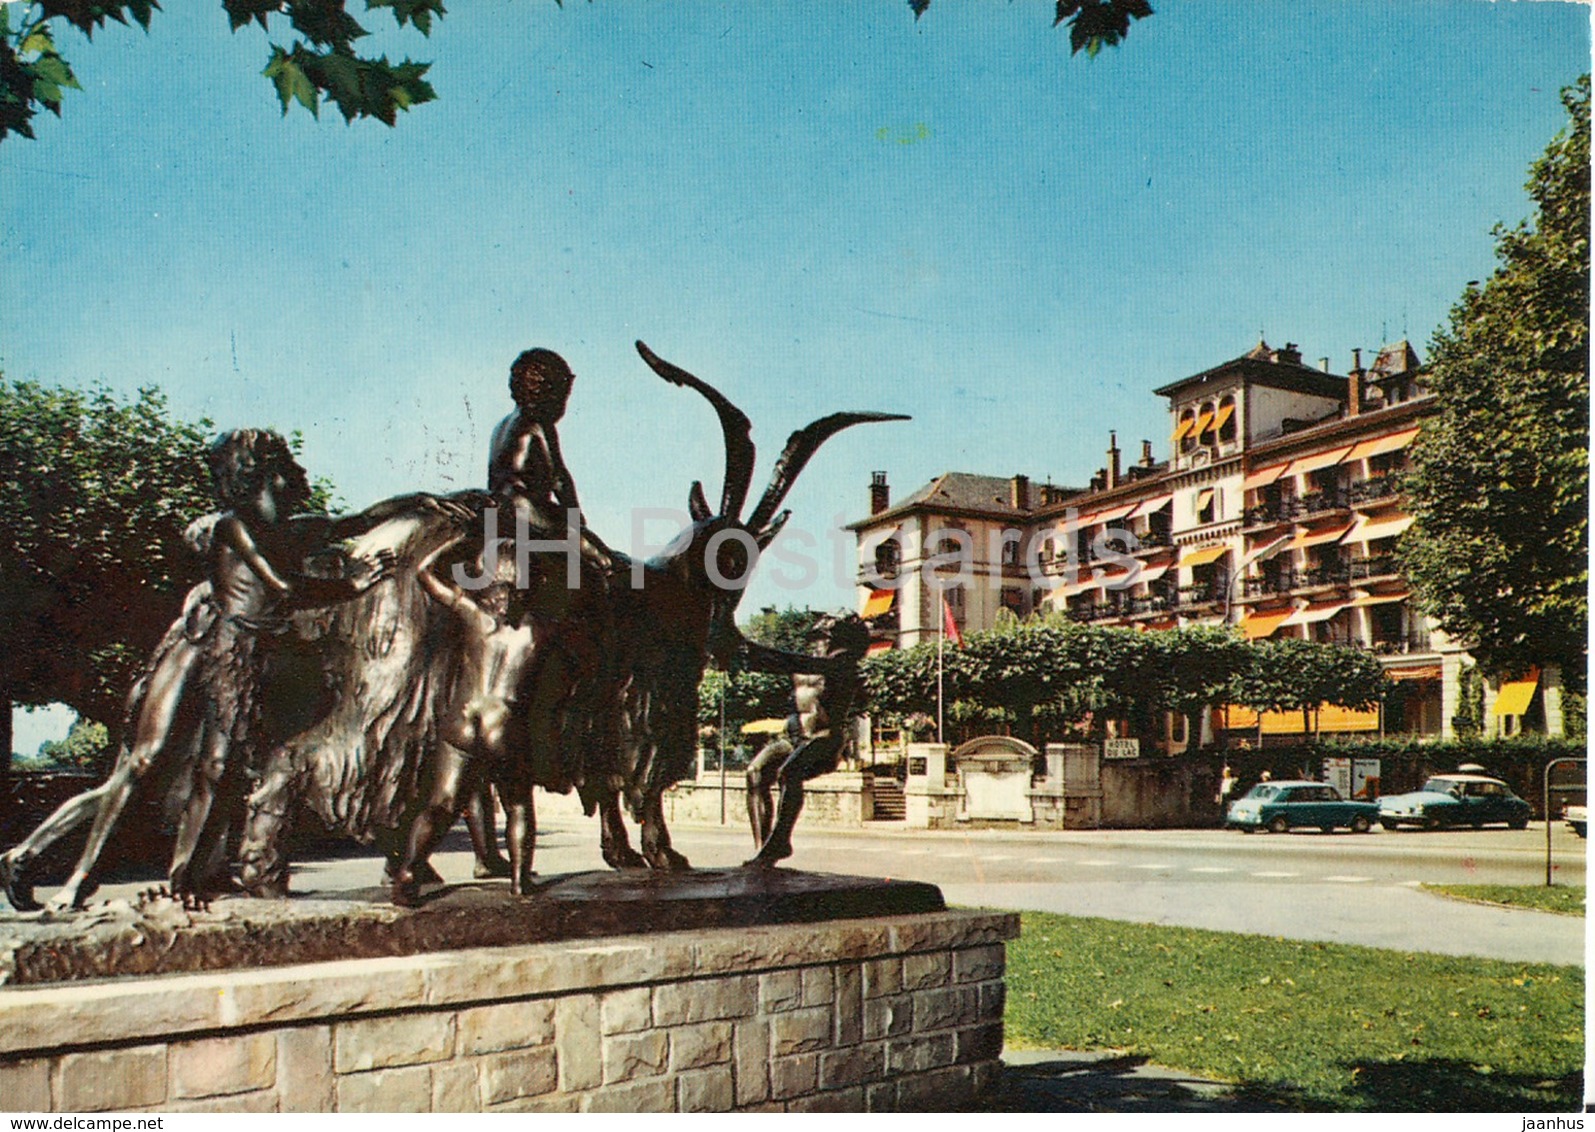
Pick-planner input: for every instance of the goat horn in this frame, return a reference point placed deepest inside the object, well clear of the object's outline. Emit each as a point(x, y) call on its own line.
point(734, 425)
point(800, 446)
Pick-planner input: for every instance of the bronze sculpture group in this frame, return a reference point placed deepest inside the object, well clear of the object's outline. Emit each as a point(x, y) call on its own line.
point(449, 660)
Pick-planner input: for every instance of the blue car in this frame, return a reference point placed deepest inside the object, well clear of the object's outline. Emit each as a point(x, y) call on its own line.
point(1456, 799)
point(1280, 806)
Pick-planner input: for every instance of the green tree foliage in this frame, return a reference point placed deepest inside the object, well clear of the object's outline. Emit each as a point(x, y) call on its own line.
point(1500, 482)
point(1050, 674)
point(322, 60)
point(1295, 675)
point(1092, 23)
point(84, 747)
point(755, 695)
point(95, 494)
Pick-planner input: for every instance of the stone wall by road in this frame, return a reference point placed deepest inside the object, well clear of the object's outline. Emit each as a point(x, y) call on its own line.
point(902, 1013)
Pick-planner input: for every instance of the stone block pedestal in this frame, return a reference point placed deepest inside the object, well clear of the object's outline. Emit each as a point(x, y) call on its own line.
point(901, 1011)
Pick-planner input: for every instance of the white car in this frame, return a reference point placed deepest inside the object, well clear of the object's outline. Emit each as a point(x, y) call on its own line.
point(1577, 820)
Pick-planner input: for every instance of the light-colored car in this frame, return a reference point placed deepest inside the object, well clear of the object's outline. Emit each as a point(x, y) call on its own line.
point(1577, 819)
point(1453, 800)
point(1280, 806)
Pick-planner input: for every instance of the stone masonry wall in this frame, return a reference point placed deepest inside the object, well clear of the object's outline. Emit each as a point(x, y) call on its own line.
point(902, 1013)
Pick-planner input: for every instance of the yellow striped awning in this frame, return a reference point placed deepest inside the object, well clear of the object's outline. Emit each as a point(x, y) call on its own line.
point(1262, 623)
point(878, 647)
point(1320, 536)
point(1370, 530)
point(1380, 599)
point(1329, 718)
point(1203, 498)
point(1182, 428)
point(1313, 613)
point(1262, 477)
point(1304, 464)
point(1332, 718)
point(1379, 445)
point(1225, 412)
point(1190, 557)
point(1152, 571)
point(1146, 507)
point(880, 601)
point(1514, 697)
point(1201, 424)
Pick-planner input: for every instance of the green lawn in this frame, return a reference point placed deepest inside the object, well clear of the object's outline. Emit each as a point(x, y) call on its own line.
point(1313, 1026)
point(1563, 899)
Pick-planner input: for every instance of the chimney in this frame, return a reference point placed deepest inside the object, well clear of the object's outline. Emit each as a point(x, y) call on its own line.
point(1289, 354)
point(1323, 364)
point(1146, 454)
point(1113, 460)
point(880, 495)
point(1019, 493)
point(1355, 392)
point(1100, 480)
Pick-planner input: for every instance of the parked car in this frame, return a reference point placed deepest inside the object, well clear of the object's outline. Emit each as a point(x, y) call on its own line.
point(1577, 820)
point(1278, 806)
point(1455, 799)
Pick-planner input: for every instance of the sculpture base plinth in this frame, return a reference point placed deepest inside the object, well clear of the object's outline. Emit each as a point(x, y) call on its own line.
point(732, 990)
point(158, 938)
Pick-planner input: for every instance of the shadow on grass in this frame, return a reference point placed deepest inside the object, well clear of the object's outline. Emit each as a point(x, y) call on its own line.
point(1124, 1083)
point(1448, 1085)
point(1069, 1082)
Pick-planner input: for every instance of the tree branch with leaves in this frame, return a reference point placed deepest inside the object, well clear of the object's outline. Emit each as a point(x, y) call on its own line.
point(323, 62)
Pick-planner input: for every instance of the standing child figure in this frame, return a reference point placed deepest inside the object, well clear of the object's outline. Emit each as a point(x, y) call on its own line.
point(824, 686)
point(204, 682)
point(485, 734)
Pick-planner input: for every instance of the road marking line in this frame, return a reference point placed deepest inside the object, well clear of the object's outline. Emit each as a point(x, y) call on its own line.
point(1149, 866)
point(1348, 880)
point(1280, 875)
point(1412, 884)
point(1211, 869)
point(952, 856)
point(1098, 864)
point(997, 858)
point(1044, 861)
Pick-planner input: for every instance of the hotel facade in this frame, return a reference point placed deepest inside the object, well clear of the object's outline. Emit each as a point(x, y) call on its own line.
point(1277, 511)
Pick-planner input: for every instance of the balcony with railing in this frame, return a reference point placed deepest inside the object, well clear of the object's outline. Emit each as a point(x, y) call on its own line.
point(1098, 612)
point(1154, 539)
point(1198, 593)
point(1152, 603)
point(1379, 566)
point(1398, 644)
point(1377, 488)
point(1321, 503)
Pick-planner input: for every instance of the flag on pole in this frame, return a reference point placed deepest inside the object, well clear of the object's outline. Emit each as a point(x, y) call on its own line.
point(949, 626)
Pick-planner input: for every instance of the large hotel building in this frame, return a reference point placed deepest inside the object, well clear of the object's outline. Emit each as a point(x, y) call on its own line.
point(1277, 511)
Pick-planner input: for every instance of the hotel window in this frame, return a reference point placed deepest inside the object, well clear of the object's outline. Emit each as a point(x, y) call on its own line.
point(1224, 423)
point(1183, 440)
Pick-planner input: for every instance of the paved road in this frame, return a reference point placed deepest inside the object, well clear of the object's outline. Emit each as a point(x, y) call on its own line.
point(1343, 887)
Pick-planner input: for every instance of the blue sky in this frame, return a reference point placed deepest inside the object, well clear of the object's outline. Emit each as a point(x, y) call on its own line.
point(814, 206)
